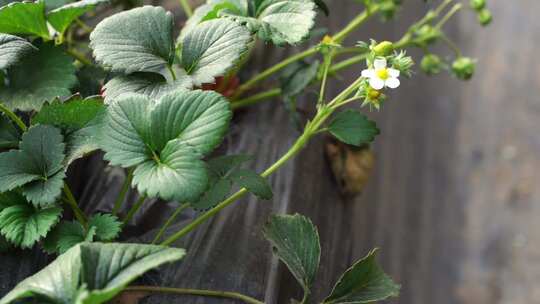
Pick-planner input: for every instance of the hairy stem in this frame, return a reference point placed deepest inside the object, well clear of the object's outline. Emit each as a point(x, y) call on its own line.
point(354, 24)
point(272, 70)
point(169, 222)
point(240, 103)
point(11, 115)
point(186, 7)
point(449, 15)
point(339, 37)
point(72, 202)
point(123, 191)
point(311, 130)
point(80, 57)
point(138, 204)
point(196, 292)
point(326, 68)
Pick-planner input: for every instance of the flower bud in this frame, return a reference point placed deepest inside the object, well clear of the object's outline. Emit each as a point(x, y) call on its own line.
point(403, 63)
point(384, 48)
point(463, 68)
point(431, 64)
point(428, 34)
point(478, 4)
point(484, 17)
point(388, 8)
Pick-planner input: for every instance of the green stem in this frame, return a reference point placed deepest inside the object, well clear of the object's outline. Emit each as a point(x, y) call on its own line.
point(354, 24)
point(79, 214)
point(311, 130)
point(240, 103)
point(186, 7)
point(442, 6)
point(449, 15)
point(171, 70)
point(80, 57)
point(196, 292)
point(169, 222)
point(451, 45)
point(13, 117)
point(327, 62)
point(85, 27)
point(340, 36)
point(123, 191)
point(347, 62)
point(273, 69)
point(134, 210)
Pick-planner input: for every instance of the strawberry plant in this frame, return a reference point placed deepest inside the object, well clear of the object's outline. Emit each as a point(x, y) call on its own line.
point(159, 106)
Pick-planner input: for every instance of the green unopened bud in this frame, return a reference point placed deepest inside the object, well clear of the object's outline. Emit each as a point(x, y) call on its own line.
point(464, 68)
point(403, 63)
point(478, 4)
point(485, 17)
point(431, 64)
point(428, 34)
point(388, 8)
point(384, 48)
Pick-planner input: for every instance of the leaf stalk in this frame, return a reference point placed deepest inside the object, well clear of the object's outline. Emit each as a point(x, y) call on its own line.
point(196, 292)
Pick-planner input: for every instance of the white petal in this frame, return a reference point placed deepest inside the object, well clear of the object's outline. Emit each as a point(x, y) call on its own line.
point(392, 83)
point(393, 73)
point(369, 73)
point(376, 83)
point(380, 63)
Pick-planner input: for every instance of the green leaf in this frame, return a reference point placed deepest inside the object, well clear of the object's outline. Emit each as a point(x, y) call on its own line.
point(364, 282)
point(9, 134)
point(37, 166)
point(353, 128)
point(62, 17)
point(138, 40)
point(27, 18)
point(212, 10)
point(214, 195)
point(296, 77)
point(179, 174)
point(296, 242)
point(79, 119)
point(11, 198)
point(166, 140)
point(13, 49)
point(70, 115)
point(151, 85)
point(47, 74)
point(67, 235)
point(92, 273)
point(223, 165)
point(23, 224)
point(253, 182)
point(107, 226)
point(285, 21)
point(212, 48)
point(279, 21)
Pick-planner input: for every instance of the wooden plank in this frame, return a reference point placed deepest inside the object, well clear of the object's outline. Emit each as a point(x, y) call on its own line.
point(452, 203)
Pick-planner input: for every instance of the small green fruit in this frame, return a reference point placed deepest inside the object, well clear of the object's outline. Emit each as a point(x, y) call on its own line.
point(431, 64)
point(464, 68)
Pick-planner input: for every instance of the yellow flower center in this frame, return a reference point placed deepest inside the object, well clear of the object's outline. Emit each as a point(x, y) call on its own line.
point(383, 74)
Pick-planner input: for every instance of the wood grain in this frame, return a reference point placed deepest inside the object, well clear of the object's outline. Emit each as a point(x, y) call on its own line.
point(453, 202)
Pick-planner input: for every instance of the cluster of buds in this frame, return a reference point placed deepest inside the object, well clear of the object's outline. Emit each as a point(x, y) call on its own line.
point(384, 67)
point(484, 15)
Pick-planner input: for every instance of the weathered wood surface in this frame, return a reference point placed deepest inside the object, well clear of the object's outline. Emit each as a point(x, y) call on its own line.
point(453, 202)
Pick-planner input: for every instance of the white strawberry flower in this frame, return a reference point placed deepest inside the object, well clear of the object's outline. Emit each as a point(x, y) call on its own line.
point(381, 76)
